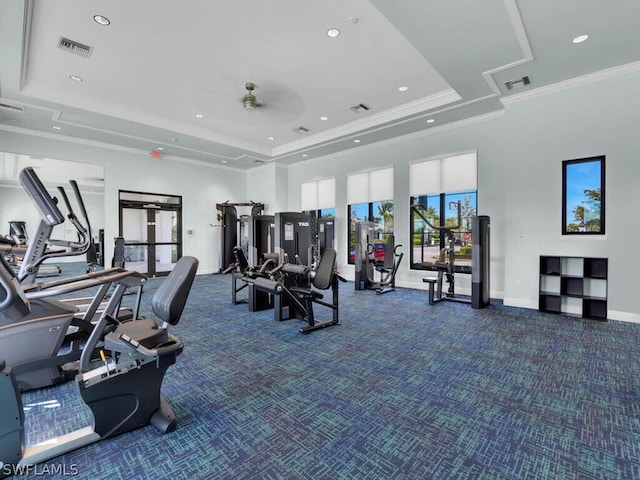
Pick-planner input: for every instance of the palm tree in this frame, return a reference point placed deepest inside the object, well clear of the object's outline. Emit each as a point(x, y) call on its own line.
point(385, 209)
point(467, 211)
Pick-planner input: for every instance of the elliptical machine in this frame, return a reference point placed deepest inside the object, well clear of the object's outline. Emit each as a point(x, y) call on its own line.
point(32, 347)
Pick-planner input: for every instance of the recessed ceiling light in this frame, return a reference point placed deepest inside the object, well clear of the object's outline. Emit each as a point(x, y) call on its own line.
point(75, 78)
point(323, 118)
point(270, 138)
point(356, 141)
point(199, 115)
point(224, 161)
point(160, 148)
point(403, 88)
point(305, 155)
point(431, 120)
point(175, 139)
point(101, 20)
point(56, 127)
point(333, 32)
point(580, 38)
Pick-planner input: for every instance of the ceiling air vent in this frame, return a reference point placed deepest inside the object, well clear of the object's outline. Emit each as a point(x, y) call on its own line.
point(301, 130)
point(361, 107)
point(515, 84)
point(75, 47)
point(11, 108)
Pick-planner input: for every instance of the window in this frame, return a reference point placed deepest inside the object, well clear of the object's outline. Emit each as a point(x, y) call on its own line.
point(444, 191)
point(370, 198)
point(583, 196)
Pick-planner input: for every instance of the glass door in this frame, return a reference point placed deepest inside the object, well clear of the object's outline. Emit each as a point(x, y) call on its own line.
point(151, 227)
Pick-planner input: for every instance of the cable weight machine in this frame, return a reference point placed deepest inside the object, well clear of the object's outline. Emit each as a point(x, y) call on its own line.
point(445, 265)
point(233, 230)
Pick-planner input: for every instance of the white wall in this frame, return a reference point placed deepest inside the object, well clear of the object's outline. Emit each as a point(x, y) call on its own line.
point(268, 184)
point(520, 158)
point(593, 119)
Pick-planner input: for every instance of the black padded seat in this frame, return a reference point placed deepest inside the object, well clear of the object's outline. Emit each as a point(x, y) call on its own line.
point(167, 304)
point(145, 331)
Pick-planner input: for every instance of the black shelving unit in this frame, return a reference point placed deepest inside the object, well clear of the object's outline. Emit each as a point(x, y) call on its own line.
point(574, 286)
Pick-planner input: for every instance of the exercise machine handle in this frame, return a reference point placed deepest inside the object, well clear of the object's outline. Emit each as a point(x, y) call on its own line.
point(418, 209)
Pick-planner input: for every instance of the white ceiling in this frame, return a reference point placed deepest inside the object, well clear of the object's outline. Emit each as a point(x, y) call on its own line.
point(158, 64)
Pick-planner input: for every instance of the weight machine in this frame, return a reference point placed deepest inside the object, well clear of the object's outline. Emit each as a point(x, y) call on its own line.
point(366, 264)
point(233, 228)
point(261, 258)
point(293, 301)
point(445, 265)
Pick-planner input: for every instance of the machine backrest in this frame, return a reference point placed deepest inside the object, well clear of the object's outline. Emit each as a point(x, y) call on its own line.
point(241, 258)
point(169, 300)
point(389, 252)
point(324, 273)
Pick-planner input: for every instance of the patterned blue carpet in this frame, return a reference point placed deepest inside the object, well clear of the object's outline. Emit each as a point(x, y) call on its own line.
point(399, 390)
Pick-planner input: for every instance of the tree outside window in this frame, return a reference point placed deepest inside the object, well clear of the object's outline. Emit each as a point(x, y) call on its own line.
point(583, 196)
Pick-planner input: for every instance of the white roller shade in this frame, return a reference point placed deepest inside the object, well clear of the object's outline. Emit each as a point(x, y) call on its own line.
point(459, 173)
point(309, 196)
point(444, 175)
point(424, 178)
point(327, 193)
point(381, 185)
point(358, 188)
point(371, 186)
point(318, 195)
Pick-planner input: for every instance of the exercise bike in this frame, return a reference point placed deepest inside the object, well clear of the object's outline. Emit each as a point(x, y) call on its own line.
point(122, 388)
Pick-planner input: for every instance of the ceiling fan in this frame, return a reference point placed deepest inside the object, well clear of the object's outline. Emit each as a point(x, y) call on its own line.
point(250, 101)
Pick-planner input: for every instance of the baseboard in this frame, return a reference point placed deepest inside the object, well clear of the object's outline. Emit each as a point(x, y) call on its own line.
point(521, 303)
point(623, 316)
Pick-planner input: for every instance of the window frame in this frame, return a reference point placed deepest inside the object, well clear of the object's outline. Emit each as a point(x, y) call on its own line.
point(566, 182)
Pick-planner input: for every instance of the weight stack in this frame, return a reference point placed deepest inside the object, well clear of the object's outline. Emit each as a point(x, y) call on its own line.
point(480, 240)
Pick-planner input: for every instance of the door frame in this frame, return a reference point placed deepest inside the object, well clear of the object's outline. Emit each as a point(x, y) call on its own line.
point(151, 202)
